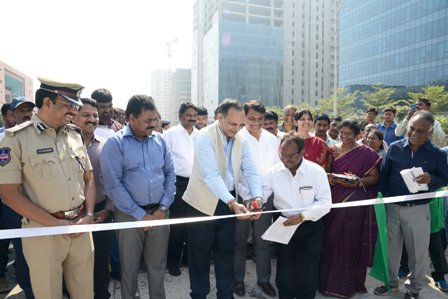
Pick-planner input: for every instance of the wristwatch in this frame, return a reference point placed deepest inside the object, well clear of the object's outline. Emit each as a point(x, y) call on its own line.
point(163, 208)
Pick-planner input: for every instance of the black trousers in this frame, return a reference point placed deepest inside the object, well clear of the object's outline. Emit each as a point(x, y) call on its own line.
point(178, 232)
point(102, 240)
point(4, 244)
point(215, 236)
point(437, 246)
point(298, 262)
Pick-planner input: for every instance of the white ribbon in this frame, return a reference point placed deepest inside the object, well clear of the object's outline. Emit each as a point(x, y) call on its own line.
point(71, 229)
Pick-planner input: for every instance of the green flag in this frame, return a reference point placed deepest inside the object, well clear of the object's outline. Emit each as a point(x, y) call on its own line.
point(381, 258)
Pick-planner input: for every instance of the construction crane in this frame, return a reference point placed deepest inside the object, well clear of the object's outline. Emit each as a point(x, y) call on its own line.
point(169, 51)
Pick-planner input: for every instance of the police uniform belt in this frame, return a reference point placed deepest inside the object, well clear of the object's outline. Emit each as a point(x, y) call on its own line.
point(69, 214)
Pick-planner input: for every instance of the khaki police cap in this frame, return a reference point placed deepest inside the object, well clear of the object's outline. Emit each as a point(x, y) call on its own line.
point(70, 91)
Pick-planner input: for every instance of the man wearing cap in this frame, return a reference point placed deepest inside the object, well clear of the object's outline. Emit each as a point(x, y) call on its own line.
point(47, 178)
point(22, 109)
point(138, 173)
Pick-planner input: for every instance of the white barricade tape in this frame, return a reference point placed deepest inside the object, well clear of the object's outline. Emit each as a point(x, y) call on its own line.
point(70, 229)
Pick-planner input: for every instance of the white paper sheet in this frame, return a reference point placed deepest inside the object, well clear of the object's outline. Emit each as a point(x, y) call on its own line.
point(409, 176)
point(279, 233)
point(104, 132)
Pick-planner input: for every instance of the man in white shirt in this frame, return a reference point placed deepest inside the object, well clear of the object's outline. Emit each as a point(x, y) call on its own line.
point(264, 152)
point(303, 186)
point(437, 136)
point(180, 141)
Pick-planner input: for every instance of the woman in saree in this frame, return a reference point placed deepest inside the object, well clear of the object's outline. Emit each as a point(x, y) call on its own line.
point(316, 150)
point(350, 233)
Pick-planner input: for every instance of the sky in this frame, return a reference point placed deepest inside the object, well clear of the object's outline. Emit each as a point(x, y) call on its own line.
point(98, 44)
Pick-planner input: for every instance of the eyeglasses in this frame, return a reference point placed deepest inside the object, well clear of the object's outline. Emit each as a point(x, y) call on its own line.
point(68, 105)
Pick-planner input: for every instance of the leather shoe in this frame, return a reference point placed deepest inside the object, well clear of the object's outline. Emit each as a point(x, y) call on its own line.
point(267, 288)
point(239, 289)
point(174, 271)
point(410, 295)
point(115, 275)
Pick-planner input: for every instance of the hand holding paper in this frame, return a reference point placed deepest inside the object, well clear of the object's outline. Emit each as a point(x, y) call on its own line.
point(415, 179)
point(278, 232)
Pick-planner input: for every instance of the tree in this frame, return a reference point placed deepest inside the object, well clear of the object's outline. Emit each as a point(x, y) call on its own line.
point(276, 109)
point(345, 107)
point(436, 94)
point(378, 98)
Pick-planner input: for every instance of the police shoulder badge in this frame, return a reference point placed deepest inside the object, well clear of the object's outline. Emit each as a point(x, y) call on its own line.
point(5, 156)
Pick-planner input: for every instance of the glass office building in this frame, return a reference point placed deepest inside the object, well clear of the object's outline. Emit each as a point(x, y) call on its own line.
point(13, 84)
point(237, 51)
point(250, 62)
point(394, 42)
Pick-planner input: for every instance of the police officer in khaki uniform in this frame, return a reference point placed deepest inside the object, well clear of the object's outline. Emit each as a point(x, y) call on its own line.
point(46, 177)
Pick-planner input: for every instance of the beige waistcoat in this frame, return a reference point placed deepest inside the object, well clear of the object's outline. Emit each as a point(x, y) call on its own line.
point(198, 195)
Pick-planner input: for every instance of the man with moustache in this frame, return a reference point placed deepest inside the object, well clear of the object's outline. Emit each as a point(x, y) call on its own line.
point(299, 185)
point(221, 158)
point(180, 139)
point(321, 127)
point(138, 174)
point(7, 117)
point(47, 178)
point(87, 120)
point(264, 152)
point(410, 221)
point(107, 126)
point(202, 118)
point(22, 109)
point(288, 123)
point(103, 97)
point(271, 125)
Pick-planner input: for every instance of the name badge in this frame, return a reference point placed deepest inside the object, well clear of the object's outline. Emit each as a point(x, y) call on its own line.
point(44, 150)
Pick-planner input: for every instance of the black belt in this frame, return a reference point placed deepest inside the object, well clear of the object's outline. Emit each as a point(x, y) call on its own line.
point(150, 207)
point(181, 178)
point(412, 203)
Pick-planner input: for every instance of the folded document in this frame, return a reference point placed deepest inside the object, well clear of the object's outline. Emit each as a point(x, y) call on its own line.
point(279, 233)
point(409, 175)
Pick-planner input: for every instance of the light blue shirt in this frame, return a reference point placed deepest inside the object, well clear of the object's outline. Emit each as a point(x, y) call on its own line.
point(389, 132)
point(137, 173)
point(206, 158)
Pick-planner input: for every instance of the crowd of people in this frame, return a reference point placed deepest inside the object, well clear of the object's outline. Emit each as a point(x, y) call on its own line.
point(68, 160)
